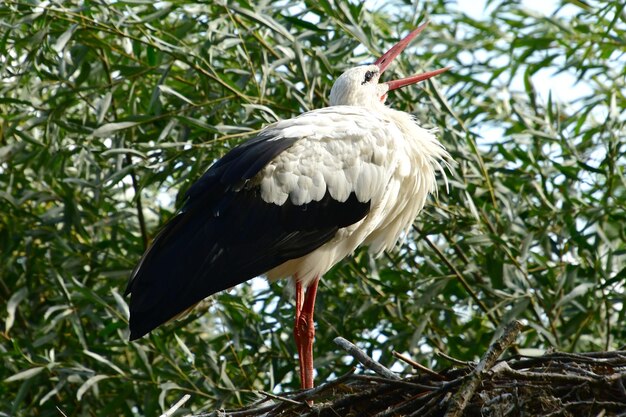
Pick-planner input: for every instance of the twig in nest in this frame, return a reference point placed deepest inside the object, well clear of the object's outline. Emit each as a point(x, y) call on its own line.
point(551, 377)
point(462, 397)
point(417, 365)
point(454, 360)
point(364, 358)
point(311, 393)
point(283, 399)
point(396, 382)
point(261, 410)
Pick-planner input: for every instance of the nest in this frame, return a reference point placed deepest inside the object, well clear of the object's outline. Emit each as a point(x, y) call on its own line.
point(555, 384)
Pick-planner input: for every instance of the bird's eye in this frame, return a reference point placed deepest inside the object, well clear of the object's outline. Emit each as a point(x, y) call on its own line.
point(368, 77)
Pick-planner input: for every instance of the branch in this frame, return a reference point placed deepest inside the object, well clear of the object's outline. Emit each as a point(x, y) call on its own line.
point(460, 400)
point(417, 365)
point(489, 313)
point(364, 358)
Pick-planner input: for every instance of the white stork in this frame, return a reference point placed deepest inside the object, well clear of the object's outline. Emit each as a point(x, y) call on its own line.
point(294, 201)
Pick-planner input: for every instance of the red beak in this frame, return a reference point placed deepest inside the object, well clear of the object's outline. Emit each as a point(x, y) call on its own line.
point(384, 61)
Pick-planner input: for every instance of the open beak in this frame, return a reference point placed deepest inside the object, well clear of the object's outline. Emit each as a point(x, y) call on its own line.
point(384, 61)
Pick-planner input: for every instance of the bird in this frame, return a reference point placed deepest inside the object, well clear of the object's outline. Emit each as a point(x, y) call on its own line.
point(294, 201)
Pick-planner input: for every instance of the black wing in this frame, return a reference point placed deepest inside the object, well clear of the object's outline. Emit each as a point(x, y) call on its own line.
point(226, 234)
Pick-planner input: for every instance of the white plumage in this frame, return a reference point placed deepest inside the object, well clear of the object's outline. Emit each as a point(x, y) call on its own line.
point(294, 201)
point(379, 154)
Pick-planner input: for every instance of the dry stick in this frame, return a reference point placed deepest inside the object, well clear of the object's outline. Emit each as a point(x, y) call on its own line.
point(241, 413)
point(454, 360)
point(395, 382)
point(429, 406)
point(279, 398)
point(342, 402)
point(418, 366)
point(312, 392)
point(462, 397)
point(552, 378)
point(591, 357)
point(400, 409)
point(427, 400)
point(621, 387)
point(613, 405)
point(365, 360)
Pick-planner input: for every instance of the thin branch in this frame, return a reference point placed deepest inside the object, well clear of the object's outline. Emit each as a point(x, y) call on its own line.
point(454, 360)
point(129, 162)
point(280, 398)
point(140, 216)
point(553, 377)
point(417, 365)
point(459, 401)
point(401, 382)
point(493, 319)
point(364, 358)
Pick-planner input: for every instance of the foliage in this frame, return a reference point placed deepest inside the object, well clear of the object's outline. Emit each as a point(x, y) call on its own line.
point(107, 107)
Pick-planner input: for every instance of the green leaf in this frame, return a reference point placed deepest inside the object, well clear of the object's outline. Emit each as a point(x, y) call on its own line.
point(59, 45)
point(109, 128)
point(12, 305)
point(87, 385)
point(27, 374)
point(105, 361)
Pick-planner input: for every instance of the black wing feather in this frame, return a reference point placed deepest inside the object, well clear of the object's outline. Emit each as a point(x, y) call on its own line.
point(226, 234)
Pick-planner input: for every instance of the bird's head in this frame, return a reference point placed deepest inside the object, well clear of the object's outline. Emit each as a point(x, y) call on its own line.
point(360, 86)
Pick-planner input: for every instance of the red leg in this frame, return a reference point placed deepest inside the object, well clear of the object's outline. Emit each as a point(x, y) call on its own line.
point(304, 331)
point(296, 329)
